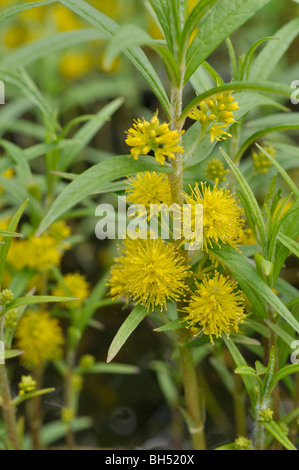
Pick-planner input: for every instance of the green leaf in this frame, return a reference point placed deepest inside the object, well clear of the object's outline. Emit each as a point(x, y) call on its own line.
point(290, 226)
point(269, 374)
point(225, 18)
point(252, 204)
point(126, 36)
point(193, 20)
point(34, 299)
point(272, 53)
point(26, 87)
point(230, 446)
point(104, 368)
point(166, 382)
point(276, 432)
point(282, 373)
point(10, 12)
point(126, 329)
point(280, 332)
point(19, 158)
point(283, 173)
point(92, 180)
point(239, 265)
point(58, 42)
point(249, 382)
point(11, 353)
point(173, 325)
point(135, 55)
point(292, 245)
point(56, 430)
point(6, 233)
point(246, 370)
point(250, 54)
point(37, 393)
point(85, 134)
point(161, 17)
point(267, 125)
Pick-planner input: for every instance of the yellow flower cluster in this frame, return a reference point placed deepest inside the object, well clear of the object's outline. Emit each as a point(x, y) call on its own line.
point(215, 171)
point(146, 136)
point(149, 188)
point(261, 162)
point(216, 114)
point(75, 285)
point(216, 307)
point(6, 297)
point(222, 216)
point(27, 385)
point(41, 253)
point(150, 272)
point(40, 337)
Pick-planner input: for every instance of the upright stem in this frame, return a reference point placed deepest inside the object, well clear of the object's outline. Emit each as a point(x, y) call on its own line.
point(192, 397)
point(34, 407)
point(9, 412)
point(186, 356)
point(70, 438)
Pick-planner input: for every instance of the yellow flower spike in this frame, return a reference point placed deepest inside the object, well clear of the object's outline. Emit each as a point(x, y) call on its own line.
point(149, 188)
point(150, 272)
point(67, 415)
point(215, 171)
point(146, 136)
point(216, 307)
point(40, 337)
point(261, 162)
point(217, 111)
point(242, 443)
point(222, 216)
point(27, 385)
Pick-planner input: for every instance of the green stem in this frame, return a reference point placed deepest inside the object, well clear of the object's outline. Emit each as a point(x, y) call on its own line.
point(70, 438)
point(192, 396)
point(186, 356)
point(34, 407)
point(9, 412)
point(240, 408)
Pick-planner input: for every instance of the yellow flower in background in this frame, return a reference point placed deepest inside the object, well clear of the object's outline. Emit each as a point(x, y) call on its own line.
point(40, 337)
point(261, 162)
point(216, 114)
point(39, 254)
point(27, 385)
point(59, 230)
point(246, 237)
point(222, 216)
point(75, 286)
point(64, 19)
point(215, 171)
point(145, 137)
point(149, 188)
point(74, 65)
point(36, 14)
point(149, 272)
point(216, 307)
point(7, 174)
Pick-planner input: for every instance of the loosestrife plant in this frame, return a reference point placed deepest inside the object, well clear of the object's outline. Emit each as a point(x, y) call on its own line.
point(222, 304)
